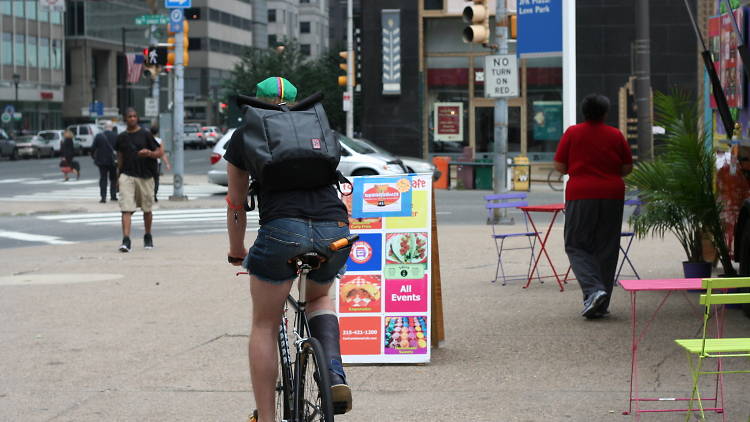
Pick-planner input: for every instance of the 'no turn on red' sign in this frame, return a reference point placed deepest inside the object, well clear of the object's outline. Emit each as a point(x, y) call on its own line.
point(501, 76)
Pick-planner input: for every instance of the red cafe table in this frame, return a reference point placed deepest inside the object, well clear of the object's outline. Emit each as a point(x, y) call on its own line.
point(555, 209)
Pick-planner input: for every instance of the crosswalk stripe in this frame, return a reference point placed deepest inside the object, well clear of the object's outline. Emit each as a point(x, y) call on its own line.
point(156, 212)
point(28, 237)
point(170, 217)
point(92, 192)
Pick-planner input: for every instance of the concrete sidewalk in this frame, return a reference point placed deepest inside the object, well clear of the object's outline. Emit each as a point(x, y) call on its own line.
point(161, 335)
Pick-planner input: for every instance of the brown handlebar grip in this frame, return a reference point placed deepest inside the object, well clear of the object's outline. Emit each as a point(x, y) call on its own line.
point(343, 242)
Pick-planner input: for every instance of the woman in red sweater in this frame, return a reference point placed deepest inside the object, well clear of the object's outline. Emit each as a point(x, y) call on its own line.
point(596, 157)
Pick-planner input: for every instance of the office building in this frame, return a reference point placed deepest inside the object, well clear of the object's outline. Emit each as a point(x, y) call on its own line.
point(306, 21)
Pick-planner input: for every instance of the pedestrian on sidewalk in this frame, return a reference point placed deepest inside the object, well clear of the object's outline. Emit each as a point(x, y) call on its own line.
point(137, 152)
point(104, 155)
point(68, 152)
point(596, 157)
point(164, 157)
point(306, 218)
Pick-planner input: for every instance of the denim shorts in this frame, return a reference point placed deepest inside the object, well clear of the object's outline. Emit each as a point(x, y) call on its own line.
point(284, 238)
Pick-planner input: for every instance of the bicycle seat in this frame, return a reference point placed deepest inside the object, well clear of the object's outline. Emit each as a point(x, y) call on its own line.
point(311, 259)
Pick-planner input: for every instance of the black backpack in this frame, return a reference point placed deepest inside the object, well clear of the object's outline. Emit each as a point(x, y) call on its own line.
point(289, 148)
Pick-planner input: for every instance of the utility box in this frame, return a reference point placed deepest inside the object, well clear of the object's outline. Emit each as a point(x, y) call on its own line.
point(521, 173)
point(483, 174)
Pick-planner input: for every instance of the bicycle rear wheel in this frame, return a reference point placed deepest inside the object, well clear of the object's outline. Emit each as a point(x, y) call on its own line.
point(313, 385)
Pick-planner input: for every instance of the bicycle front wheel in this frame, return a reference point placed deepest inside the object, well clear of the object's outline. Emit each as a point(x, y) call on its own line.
point(284, 379)
point(555, 180)
point(313, 385)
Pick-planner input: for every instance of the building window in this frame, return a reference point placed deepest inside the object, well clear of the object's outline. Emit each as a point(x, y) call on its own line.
point(304, 27)
point(6, 7)
point(55, 17)
point(18, 8)
point(43, 15)
point(304, 1)
point(31, 9)
point(57, 54)
point(433, 4)
point(304, 49)
point(20, 52)
point(44, 53)
point(272, 42)
point(195, 43)
point(7, 47)
point(271, 15)
point(31, 51)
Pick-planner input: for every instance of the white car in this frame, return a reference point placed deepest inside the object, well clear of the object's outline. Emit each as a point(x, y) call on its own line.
point(85, 134)
point(193, 138)
point(211, 134)
point(55, 137)
point(357, 159)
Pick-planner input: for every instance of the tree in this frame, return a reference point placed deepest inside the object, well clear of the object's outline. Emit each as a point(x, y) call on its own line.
point(309, 75)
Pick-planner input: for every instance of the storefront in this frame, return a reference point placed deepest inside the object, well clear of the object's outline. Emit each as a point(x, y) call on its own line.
point(453, 75)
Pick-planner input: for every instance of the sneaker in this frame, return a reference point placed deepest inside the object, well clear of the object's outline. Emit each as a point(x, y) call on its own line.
point(592, 303)
point(341, 393)
point(101, 201)
point(148, 241)
point(125, 247)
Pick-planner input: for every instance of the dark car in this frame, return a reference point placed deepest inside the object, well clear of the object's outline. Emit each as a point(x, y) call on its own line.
point(7, 146)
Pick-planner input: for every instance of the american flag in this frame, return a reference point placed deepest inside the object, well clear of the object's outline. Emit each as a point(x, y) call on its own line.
point(135, 67)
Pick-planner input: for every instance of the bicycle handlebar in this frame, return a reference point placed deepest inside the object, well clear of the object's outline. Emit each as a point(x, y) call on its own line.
point(343, 242)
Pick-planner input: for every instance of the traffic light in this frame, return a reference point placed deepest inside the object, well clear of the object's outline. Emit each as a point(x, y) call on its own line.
point(154, 59)
point(345, 67)
point(513, 29)
point(185, 44)
point(477, 15)
point(223, 108)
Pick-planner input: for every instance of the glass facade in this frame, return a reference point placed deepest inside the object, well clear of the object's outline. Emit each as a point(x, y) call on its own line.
point(31, 49)
point(20, 50)
point(7, 48)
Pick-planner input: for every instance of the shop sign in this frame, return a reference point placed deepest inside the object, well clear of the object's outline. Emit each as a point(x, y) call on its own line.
point(547, 119)
point(449, 125)
point(502, 76)
point(46, 95)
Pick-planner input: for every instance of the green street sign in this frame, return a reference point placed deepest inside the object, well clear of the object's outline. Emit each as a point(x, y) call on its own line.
point(151, 20)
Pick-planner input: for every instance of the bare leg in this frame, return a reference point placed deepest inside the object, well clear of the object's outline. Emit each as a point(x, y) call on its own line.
point(148, 217)
point(317, 297)
point(126, 219)
point(268, 299)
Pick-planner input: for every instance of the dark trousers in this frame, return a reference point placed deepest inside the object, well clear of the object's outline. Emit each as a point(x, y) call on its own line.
point(592, 242)
point(108, 172)
point(156, 179)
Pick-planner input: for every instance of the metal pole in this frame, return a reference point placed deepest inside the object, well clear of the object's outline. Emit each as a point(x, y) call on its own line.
point(500, 163)
point(350, 68)
point(155, 84)
point(179, 118)
point(643, 80)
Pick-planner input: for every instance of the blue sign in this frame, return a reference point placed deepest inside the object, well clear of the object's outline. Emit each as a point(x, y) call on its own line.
point(177, 4)
point(175, 20)
point(366, 253)
point(539, 27)
point(97, 107)
point(9, 109)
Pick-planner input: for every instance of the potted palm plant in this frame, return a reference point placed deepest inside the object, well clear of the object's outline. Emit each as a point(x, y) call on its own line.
point(677, 188)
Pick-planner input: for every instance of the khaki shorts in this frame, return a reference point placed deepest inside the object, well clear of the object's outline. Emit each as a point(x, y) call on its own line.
point(135, 192)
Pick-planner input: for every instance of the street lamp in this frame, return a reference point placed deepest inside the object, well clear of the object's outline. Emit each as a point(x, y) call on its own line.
point(16, 79)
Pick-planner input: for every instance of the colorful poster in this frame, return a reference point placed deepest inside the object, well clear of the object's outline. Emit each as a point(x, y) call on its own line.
point(731, 74)
point(405, 335)
point(714, 44)
point(384, 298)
point(360, 335)
point(449, 124)
point(381, 197)
point(360, 293)
point(366, 253)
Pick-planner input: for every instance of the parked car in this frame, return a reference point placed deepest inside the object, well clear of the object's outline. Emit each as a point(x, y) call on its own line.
point(211, 134)
point(34, 146)
point(85, 133)
point(193, 138)
point(7, 146)
point(55, 137)
point(412, 164)
point(357, 159)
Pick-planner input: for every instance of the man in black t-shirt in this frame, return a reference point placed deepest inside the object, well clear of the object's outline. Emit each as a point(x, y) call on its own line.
point(137, 151)
point(292, 222)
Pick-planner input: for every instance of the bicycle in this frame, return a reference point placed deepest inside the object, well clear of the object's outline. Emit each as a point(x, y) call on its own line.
point(555, 180)
point(303, 387)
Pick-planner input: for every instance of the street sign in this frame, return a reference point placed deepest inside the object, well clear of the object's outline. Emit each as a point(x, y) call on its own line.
point(347, 105)
point(501, 76)
point(96, 108)
point(17, 116)
point(175, 20)
point(177, 4)
point(151, 108)
point(6, 117)
point(9, 109)
point(151, 20)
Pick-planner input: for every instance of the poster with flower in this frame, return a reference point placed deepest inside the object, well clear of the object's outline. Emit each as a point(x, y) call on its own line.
point(383, 300)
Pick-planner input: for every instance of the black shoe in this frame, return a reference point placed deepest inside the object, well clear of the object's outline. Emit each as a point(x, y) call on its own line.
point(156, 199)
point(148, 241)
point(125, 247)
point(113, 198)
point(592, 303)
point(599, 314)
point(101, 201)
point(341, 394)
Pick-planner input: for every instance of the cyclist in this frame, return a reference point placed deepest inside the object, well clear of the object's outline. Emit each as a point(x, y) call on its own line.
point(291, 223)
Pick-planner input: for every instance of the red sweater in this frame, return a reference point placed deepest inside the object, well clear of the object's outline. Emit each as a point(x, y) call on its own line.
point(594, 154)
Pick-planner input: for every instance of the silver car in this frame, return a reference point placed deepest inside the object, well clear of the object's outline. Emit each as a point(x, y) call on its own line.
point(34, 146)
point(412, 164)
point(357, 159)
point(193, 137)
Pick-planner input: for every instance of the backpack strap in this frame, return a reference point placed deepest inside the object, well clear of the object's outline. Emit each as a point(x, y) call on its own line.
point(340, 178)
point(252, 193)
